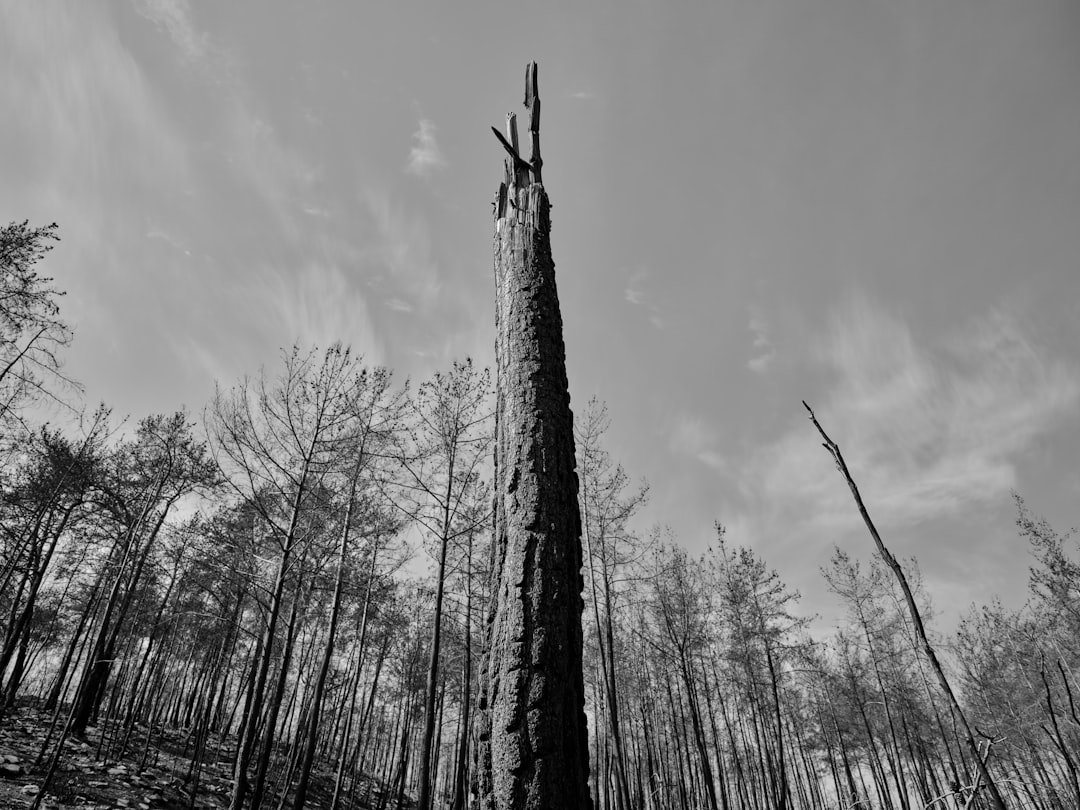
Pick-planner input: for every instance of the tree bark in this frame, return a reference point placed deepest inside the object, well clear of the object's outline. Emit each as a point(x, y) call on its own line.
point(533, 743)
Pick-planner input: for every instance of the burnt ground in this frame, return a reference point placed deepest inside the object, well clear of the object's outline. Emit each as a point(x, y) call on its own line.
point(154, 772)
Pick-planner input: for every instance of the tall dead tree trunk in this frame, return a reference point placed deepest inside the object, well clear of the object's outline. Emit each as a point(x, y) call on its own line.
point(533, 744)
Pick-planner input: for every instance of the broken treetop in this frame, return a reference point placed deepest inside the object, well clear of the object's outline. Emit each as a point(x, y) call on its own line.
point(517, 168)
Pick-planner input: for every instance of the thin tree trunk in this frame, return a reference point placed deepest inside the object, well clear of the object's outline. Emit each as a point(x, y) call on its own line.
point(996, 799)
point(1059, 739)
point(781, 764)
point(19, 632)
point(246, 745)
point(270, 730)
point(424, 802)
point(461, 771)
point(604, 634)
point(358, 654)
point(324, 667)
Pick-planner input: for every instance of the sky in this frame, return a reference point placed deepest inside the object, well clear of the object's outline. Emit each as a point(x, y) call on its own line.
point(872, 205)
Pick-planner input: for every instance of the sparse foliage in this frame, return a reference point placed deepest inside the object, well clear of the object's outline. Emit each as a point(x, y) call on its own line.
point(32, 334)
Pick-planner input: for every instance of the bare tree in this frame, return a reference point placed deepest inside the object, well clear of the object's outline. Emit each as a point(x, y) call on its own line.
point(914, 614)
point(31, 331)
point(365, 442)
point(447, 441)
point(277, 439)
point(608, 504)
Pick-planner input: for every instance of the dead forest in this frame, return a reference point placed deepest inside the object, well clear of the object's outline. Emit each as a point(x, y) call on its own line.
point(281, 600)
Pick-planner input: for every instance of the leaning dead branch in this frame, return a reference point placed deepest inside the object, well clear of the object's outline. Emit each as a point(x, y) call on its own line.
point(996, 799)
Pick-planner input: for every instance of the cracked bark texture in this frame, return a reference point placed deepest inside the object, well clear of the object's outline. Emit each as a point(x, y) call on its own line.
point(532, 746)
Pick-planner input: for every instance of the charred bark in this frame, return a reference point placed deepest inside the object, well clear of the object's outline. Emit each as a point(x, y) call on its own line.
point(533, 745)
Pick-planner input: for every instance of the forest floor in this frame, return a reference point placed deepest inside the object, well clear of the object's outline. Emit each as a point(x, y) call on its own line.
point(153, 775)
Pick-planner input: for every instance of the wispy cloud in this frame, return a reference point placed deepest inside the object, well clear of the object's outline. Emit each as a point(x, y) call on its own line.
point(89, 122)
point(694, 438)
point(160, 233)
point(425, 156)
point(930, 430)
point(636, 294)
point(112, 161)
point(194, 48)
point(764, 352)
point(87, 101)
point(320, 305)
point(174, 17)
point(403, 250)
point(278, 173)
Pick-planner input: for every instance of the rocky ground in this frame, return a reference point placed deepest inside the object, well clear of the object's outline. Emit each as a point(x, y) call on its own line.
point(86, 778)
